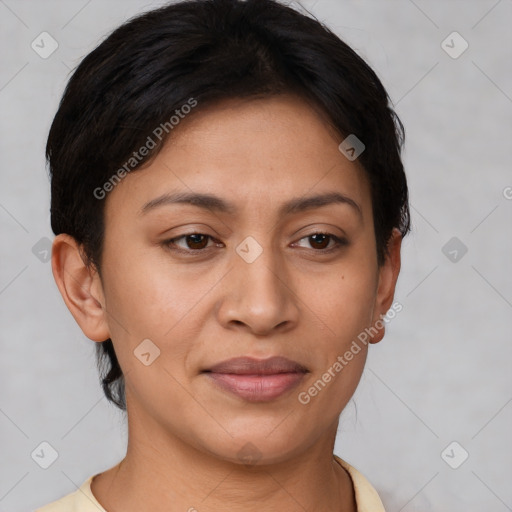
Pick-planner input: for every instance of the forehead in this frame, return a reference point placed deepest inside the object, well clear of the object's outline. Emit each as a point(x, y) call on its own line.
point(254, 152)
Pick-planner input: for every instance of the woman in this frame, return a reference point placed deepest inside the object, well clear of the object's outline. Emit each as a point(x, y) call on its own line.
point(229, 201)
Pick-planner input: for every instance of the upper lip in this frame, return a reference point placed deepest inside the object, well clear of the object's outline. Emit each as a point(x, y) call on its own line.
point(251, 366)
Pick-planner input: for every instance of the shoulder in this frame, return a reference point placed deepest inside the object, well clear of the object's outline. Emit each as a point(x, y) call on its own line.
point(367, 499)
point(81, 500)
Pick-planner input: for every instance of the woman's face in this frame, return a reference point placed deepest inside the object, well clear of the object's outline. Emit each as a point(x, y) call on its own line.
point(252, 282)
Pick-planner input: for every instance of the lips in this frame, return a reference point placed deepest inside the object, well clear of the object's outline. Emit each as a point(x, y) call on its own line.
point(251, 366)
point(256, 380)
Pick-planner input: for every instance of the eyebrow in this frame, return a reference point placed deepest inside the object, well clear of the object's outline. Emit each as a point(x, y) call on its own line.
point(215, 203)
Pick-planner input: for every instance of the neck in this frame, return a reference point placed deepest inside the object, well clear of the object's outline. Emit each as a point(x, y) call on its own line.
point(162, 473)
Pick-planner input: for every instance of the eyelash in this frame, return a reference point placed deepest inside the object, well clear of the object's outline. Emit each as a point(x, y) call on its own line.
point(339, 243)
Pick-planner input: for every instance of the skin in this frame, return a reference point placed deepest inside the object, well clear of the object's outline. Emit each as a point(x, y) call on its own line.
point(293, 300)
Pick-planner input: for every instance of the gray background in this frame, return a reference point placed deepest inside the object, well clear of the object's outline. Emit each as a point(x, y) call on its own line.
point(441, 374)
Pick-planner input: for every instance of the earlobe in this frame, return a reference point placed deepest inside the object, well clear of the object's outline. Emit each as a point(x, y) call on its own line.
point(80, 287)
point(388, 276)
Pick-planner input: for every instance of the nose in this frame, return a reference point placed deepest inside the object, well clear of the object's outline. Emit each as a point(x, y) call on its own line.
point(259, 295)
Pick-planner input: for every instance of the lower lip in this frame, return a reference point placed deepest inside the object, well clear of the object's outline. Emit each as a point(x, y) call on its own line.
point(257, 388)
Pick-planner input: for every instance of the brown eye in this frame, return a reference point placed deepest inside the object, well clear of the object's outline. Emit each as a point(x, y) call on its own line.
point(319, 240)
point(196, 241)
point(191, 243)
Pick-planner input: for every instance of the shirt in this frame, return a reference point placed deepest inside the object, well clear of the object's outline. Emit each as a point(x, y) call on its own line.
point(83, 500)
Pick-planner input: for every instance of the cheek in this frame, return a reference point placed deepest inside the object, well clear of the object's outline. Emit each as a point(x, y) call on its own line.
point(342, 304)
point(148, 302)
point(339, 355)
point(151, 299)
point(343, 301)
point(149, 296)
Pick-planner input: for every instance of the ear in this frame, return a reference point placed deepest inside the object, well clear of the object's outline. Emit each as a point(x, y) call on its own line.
point(80, 287)
point(388, 275)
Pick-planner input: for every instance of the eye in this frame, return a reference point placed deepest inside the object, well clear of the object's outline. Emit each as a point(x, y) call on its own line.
point(193, 242)
point(198, 242)
point(320, 241)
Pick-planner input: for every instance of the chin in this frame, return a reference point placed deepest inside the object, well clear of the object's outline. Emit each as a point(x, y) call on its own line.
point(257, 447)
